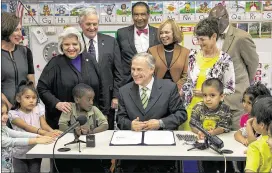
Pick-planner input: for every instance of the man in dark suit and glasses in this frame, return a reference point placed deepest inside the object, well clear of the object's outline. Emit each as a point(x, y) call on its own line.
point(148, 103)
point(105, 50)
point(136, 38)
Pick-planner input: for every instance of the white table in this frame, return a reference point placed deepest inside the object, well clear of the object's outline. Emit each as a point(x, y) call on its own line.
point(102, 150)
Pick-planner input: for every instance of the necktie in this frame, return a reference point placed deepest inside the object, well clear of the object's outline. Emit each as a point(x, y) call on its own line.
point(144, 97)
point(145, 31)
point(92, 49)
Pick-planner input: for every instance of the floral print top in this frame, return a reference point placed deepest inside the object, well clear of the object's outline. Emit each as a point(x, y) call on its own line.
point(223, 69)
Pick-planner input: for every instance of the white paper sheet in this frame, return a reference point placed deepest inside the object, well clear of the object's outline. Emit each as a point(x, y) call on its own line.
point(126, 138)
point(159, 137)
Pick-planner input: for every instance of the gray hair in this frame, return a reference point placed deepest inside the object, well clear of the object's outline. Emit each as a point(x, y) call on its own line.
point(148, 58)
point(68, 32)
point(86, 12)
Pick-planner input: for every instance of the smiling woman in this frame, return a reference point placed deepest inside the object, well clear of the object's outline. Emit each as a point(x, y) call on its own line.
point(208, 62)
point(171, 58)
point(17, 59)
point(63, 73)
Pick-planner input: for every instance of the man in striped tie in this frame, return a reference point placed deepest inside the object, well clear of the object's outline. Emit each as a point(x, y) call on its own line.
point(149, 103)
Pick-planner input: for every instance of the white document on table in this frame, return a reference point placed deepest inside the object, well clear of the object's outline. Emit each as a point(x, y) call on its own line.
point(126, 138)
point(159, 137)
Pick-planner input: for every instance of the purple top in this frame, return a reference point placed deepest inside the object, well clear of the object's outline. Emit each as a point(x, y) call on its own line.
point(77, 62)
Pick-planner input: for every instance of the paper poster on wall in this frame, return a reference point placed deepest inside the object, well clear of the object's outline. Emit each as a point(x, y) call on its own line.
point(267, 10)
point(62, 14)
point(12, 6)
point(202, 9)
point(254, 30)
point(123, 12)
point(30, 14)
point(170, 10)
point(253, 10)
point(107, 13)
point(264, 70)
point(46, 14)
point(243, 26)
point(224, 3)
point(75, 10)
point(266, 30)
point(237, 10)
point(156, 12)
point(187, 10)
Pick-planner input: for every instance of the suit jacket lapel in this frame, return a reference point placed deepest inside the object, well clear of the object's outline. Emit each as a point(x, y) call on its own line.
point(101, 47)
point(176, 53)
point(135, 96)
point(228, 39)
point(162, 54)
point(131, 38)
point(154, 96)
point(152, 36)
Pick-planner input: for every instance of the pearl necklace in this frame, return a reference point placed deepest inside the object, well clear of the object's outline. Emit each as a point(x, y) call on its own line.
point(168, 50)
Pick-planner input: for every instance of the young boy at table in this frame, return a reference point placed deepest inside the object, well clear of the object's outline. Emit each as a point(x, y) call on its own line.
point(259, 157)
point(96, 122)
point(214, 116)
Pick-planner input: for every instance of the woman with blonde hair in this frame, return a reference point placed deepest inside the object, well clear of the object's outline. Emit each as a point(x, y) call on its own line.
point(171, 58)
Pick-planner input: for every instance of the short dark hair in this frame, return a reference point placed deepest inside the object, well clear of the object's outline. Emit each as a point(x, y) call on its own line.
point(140, 3)
point(9, 23)
point(262, 110)
point(270, 127)
point(214, 82)
point(207, 27)
point(80, 89)
point(256, 90)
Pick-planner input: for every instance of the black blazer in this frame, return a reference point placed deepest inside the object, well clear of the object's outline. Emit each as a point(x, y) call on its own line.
point(58, 79)
point(164, 103)
point(125, 38)
point(111, 71)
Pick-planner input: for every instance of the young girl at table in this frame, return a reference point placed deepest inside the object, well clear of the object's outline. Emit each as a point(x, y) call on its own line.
point(259, 156)
point(246, 134)
point(12, 138)
point(28, 116)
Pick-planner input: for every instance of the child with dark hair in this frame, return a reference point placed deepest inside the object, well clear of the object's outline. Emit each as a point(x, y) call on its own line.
point(96, 122)
point(83, 96)
point(28, 116)
point(246, 134)
point(212, 113)
point(259, 156)
point(214, 116)
point(12, 138)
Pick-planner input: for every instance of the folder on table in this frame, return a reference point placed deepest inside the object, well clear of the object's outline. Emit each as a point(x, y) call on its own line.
point(147, 138)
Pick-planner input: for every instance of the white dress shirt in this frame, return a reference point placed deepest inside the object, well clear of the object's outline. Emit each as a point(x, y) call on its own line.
point(95, 42)
point(142, 41)
point(220, 41)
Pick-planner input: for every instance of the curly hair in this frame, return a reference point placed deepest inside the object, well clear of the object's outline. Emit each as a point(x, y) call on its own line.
point(9, 23)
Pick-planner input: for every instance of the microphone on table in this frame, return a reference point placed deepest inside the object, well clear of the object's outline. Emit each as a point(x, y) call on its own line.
point(214, 142)
point(81, 120)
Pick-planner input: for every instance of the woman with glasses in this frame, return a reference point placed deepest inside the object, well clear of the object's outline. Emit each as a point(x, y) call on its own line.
point(208, 62)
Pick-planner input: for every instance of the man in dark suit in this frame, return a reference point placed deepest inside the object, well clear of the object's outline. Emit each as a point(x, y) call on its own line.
point(241, 48)
point(148, 103)
point(136, 38)
point(105, 50)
